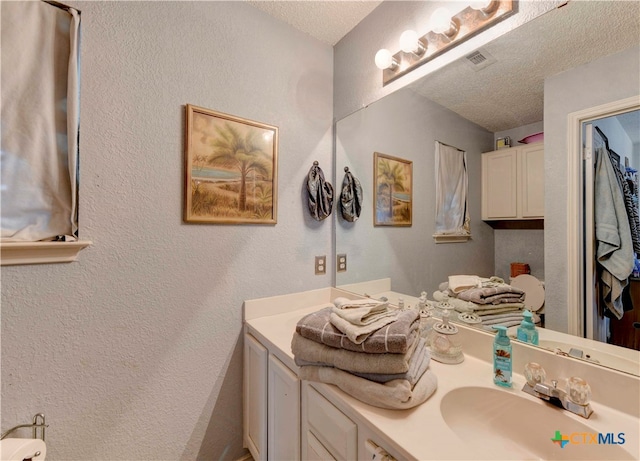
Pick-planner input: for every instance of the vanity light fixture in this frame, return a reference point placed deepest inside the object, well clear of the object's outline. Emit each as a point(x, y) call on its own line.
point(447, 31)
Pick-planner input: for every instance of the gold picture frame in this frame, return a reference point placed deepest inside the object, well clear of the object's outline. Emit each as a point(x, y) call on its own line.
point(393, 190)
point(231, 169)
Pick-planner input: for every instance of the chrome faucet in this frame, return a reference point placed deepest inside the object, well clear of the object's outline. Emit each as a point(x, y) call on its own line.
point(575, 399)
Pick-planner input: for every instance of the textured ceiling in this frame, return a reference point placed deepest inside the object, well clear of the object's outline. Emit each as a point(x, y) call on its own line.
point(328, 21)
point(510, 92)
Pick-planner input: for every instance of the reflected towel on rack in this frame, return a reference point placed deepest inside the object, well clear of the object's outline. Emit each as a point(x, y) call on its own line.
point(614, 247)
point(350, 197)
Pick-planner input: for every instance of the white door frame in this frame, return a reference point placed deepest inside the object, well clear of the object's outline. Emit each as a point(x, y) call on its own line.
point(575, 202)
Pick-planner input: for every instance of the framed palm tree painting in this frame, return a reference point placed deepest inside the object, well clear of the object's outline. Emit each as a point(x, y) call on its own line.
point(393, 186)
point(231, 169)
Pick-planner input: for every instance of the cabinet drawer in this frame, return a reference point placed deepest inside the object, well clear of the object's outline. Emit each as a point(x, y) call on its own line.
point(335, 431)
point(315, 450)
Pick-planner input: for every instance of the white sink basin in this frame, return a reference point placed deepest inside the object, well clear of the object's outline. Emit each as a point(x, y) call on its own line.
point(503, 425)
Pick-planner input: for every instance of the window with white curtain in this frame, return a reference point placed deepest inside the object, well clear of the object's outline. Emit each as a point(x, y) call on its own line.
point(452, 214)
point(39, 121)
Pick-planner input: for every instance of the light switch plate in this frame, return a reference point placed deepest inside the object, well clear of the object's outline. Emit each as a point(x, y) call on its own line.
point(341, 263)
point(321, 265)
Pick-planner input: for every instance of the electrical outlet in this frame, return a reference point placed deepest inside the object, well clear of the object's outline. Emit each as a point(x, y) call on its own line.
point(321, 265)
point(341, 263)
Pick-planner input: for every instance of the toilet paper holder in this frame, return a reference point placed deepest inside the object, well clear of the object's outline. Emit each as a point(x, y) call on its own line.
point(38, 423)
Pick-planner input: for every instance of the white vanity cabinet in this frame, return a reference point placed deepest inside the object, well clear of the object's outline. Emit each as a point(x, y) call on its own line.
point(271, 405)
point(332, 431)
point(513, 183)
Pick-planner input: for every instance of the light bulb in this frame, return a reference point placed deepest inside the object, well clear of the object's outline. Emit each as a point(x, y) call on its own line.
point(480, 4)
point(485, 6)
point(441, 20)
point(384, 59)
point(409, 41)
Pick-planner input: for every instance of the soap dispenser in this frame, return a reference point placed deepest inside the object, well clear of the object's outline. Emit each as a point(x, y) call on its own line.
point(527, 330)
point(502, 363)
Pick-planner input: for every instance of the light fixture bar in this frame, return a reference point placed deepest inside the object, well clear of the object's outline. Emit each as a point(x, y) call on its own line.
point(470, 22)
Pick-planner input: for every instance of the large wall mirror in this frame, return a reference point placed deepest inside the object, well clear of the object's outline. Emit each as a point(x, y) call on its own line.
point(519, 90)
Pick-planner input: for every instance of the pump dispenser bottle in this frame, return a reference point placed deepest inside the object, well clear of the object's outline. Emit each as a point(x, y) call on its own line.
point(527, 330)
point(502, 363)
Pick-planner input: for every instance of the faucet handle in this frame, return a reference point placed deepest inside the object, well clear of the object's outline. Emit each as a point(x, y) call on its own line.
point(534, 374)
point(579, 390)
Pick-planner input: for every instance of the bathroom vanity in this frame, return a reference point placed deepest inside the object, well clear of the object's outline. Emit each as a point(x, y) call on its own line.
point(467, 417)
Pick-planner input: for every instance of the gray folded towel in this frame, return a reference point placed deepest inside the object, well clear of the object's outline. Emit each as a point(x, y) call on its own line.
point(395, 394)
point(310, 351)
point(418, 364)
point(493, 295)
point(395, 337)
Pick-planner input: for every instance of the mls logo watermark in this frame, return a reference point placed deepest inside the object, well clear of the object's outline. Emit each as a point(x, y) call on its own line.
point(588, 438)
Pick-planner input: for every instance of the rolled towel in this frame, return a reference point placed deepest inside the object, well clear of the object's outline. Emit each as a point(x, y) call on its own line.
point(306, 350)
point(395, 337)
point(395, 394)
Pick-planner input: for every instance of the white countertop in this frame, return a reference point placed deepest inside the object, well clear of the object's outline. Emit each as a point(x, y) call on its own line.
point(421, 433)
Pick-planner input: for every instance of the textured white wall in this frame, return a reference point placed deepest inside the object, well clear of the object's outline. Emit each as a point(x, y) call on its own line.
point(602, 81)
point(134, 352)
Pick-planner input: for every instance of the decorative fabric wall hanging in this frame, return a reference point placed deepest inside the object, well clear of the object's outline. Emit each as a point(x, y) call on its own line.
point(320, 198)
point(350, 197)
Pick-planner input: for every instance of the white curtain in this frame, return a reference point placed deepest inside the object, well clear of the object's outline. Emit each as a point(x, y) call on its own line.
point(452, 215)
point(40, 113)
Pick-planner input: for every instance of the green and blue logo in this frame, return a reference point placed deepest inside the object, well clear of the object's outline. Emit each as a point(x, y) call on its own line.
point(588, 438)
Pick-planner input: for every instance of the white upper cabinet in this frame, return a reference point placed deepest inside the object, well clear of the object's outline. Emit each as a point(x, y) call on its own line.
point(513, 183)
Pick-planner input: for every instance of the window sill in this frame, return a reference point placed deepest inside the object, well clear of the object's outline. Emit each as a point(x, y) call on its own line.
point(451, 238)
point(19, 253)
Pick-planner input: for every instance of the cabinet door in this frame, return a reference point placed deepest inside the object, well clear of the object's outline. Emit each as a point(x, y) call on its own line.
point(499, 190)
point(255, 397)
point(532, 181)
point(284, 412)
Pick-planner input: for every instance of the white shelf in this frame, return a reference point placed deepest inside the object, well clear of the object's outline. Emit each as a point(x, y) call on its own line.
point(19, 253)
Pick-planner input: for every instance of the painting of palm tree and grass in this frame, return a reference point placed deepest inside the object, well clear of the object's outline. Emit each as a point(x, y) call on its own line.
point(393, 198)
point(231, 169)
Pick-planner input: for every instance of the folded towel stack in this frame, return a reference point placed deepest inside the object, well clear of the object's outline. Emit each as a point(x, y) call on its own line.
point(368, 349)
point(493, 300)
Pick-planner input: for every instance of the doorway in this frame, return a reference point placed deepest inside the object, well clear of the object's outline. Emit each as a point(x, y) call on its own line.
point(582, 317)
point(611, 229)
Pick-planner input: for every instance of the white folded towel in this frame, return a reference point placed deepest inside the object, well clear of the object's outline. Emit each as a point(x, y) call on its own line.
point(458, 283)
point(359, 332)
point(359, 318)
point(345, 303)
